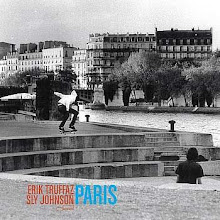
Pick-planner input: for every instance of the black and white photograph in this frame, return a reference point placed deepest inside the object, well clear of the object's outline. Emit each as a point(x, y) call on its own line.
point(109, 110)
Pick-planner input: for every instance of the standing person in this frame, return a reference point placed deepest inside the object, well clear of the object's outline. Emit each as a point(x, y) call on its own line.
point(190, 171)
point(67, 105)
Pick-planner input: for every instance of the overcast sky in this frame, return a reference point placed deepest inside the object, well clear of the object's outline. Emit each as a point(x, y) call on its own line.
point(25, 21)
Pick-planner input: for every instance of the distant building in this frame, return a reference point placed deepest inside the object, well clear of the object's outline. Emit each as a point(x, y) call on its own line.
point(45, 56)
point(179, 44)
point(12, 62)
point(28, 48)
point(6, 48)
point(3, 69)
point(52, 44)
point(104, 51)
point(30, 61)
point(57, 58)
point(79, 67)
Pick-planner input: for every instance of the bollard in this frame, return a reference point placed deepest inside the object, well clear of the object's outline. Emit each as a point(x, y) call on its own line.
point(172, 122)
point(87, 118)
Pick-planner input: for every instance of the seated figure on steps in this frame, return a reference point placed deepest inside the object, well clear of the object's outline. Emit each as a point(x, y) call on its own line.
point(190, 171)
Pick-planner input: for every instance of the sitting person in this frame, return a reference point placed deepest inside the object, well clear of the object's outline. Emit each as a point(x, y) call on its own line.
point(190, 171)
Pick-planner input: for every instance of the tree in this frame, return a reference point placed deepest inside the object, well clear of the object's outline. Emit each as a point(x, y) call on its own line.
point(169, 83)
point(66, 76)
point(22, 79)
point(204, 81)
point(110, 87)
point(137, 72)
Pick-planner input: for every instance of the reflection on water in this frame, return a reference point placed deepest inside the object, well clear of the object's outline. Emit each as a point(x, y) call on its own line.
point(184, 122)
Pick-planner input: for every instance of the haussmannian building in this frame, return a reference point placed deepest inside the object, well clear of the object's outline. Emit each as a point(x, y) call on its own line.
point(79, 67)
point(12, 62)
point(48, 56)
point(57, 58)
point(104, 51)
point(30, 61)
point(179, 44)
point(3, 69)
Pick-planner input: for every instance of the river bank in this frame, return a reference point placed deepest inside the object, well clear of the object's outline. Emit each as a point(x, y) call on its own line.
point(189, 122)
point(165, 109)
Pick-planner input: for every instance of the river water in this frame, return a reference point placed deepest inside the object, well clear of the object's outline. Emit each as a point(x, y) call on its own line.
point(184, 122)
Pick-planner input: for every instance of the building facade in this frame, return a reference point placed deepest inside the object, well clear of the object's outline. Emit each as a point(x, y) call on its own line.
point(3, 69)
point(79, 67)
point(6, 48)
point(58, 58)
point(44, 56)
point(105, 51)
point(12, 62)
point(179, 44)
point(30, 61)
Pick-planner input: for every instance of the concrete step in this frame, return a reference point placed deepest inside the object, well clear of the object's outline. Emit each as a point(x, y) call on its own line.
point(160, 139)
point(170, 148)
point(37, 159)
point(79, 141)
point(169, 173)
point(169, 153)
point(100, 170)
point(160, 134)
point(162, 144)
point(6, 117)
point(171, 163)
point(166, 158)
point(169, 168)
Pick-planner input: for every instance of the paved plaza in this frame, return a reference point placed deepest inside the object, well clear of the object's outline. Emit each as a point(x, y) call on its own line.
point(151, 198)
point(48, 128)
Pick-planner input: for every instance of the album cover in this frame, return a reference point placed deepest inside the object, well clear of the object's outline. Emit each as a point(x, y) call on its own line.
point(109, 109)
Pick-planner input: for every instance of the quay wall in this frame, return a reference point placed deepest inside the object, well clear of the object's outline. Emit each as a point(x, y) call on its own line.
point(165, 109)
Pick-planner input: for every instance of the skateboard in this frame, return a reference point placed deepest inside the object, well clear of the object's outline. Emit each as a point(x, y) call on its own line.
point(68, 131)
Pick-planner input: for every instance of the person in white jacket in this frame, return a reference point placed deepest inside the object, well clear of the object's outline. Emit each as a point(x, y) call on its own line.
point(67, 105)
